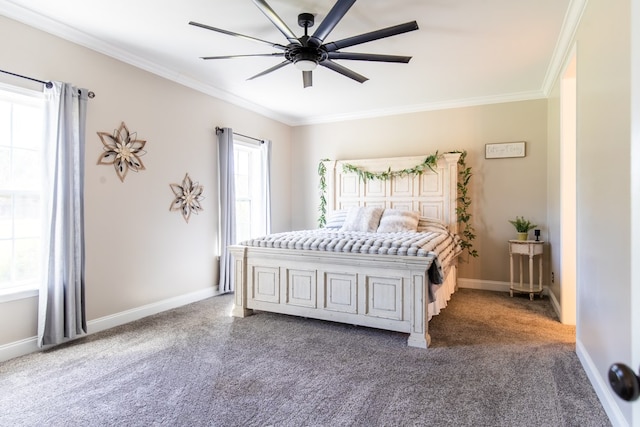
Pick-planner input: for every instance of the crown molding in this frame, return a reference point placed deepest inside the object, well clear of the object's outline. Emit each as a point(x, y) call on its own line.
point(26, 16)
point(430, 106)
point(563, 45)
point(56, 28)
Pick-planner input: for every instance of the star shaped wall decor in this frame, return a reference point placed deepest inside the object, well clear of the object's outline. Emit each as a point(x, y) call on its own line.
point(122, 150)
point(188, 197)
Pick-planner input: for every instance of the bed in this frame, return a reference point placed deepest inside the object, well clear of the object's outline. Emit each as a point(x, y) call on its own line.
point(361, 281)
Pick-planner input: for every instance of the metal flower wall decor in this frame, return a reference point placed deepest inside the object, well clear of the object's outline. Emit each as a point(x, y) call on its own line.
point(188, 197)
point(122, 150)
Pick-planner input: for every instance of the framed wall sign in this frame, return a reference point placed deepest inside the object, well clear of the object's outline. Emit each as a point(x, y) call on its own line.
point(504, 150)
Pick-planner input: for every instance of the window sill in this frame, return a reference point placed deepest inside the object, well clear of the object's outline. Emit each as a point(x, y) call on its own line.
point(14, 294)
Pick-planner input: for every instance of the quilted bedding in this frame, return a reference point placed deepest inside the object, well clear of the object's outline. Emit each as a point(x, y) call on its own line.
point(438, 248)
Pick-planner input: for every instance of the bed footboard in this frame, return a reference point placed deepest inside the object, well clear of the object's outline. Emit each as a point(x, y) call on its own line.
point(238, 254)
point(378, 291)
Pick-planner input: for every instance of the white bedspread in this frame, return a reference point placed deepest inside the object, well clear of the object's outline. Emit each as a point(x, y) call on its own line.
point(439, 248)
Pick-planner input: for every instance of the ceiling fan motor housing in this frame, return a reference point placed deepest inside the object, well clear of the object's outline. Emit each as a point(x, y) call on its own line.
point(299, 54)
point(296, 53)
point(306, 20)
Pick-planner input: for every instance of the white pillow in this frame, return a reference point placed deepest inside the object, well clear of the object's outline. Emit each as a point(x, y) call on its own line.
point(394, 220)
point(431, 224)
point(335, 219)
point(362, 219)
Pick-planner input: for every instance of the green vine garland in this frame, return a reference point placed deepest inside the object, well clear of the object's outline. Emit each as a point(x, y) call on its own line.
point(430, 162)
point(467, 232)
point(322, 171)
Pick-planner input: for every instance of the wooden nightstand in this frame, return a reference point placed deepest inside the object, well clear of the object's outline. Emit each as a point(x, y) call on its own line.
point(531, 248)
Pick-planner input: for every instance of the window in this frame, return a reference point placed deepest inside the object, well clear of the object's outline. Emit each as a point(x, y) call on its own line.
point(21, 127)
point(250, 218)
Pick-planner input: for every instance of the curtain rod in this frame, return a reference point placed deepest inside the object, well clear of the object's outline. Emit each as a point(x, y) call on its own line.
point(49, 85)
point(219, 129)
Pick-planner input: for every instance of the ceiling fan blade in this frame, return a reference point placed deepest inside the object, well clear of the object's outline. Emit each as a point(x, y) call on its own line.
point(307, 79)
point(242, 56)
point(231, 33)
point(334, 16)
point(275, 19)
point(267, 71)
point(374, 35)
point(344, 71)
point(368, 57)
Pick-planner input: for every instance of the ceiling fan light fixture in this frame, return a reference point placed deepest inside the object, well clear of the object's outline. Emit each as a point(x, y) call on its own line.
point(306, 64)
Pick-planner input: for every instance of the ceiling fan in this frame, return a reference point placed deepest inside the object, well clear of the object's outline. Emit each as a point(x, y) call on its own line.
point(309, 51)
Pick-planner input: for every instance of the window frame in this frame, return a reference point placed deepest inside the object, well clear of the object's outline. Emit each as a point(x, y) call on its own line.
point(28, 97)
point(255, 177)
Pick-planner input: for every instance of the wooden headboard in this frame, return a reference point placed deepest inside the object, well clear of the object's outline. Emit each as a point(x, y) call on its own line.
point(433, 194)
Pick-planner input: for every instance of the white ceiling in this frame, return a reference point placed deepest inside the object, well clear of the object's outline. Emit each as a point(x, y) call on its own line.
point(466, 52)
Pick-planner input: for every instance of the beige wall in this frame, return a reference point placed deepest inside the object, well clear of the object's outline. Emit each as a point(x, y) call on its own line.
point(500, 188)
point(604, 157)
point(604, 149)
point(606, 256)
point(138, 252)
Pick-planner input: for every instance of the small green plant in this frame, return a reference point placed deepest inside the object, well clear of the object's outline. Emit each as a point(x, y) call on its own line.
point(522, 225)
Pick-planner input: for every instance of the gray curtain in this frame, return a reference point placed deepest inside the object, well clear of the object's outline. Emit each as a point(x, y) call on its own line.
point(227, 194)
point(61, 311)
point(265, 148)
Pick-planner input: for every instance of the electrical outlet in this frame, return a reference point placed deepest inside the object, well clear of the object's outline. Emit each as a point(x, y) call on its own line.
point(553, 277)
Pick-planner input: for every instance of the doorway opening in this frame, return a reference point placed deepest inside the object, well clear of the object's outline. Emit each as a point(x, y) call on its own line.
point(568, 192)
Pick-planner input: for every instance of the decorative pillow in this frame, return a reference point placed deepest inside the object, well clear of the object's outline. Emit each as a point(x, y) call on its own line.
point(431, 224)
point(335, 219)
point(362, 219)
point(394, 220)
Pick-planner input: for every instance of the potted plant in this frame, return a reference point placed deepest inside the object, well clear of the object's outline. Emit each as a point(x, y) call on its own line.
point(522, 227)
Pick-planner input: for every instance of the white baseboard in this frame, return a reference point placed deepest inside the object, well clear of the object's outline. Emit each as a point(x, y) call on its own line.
point(30, 345)
point(602, 389)
point(492, 285)
point(484, 285)
point(108, 322)
point(18, 348)
point(555, 304)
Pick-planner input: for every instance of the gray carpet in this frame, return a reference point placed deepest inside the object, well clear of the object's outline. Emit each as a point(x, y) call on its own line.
point(494, 361)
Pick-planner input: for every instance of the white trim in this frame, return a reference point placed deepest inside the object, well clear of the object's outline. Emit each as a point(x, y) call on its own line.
point(18, 348)
point(29, 345)
point(117, 319)
point(606, 396)
point(484, 285)
point(491, 285)
point(634, 289)
point(563, 45)
point(51, 26)
point(568, 189)
point(417, 108)
point(21, 94)
point(13, 294)
point(33, 19)
point(555, 304)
